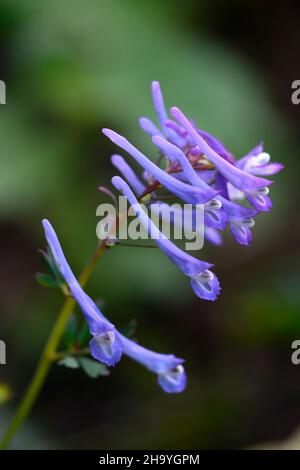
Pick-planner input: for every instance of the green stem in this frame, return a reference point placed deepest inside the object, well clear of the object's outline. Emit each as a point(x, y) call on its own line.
point(136, 245)
point(48, 355)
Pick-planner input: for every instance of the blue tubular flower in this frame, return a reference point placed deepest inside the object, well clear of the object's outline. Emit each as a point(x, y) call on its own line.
point(188, 220)
point(128, 174)
point(214, 214)
point(204, 283)
point(105, 345)
point(171, 374)
point(108, 344)
point(255, 188)
point(184, 191)
point(240, 217)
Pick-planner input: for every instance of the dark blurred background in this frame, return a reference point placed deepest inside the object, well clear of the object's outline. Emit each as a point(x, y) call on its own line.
point(72, 67)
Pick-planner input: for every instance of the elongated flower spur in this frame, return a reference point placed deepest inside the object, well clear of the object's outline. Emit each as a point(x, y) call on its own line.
point(108, 344)
point(197, 169)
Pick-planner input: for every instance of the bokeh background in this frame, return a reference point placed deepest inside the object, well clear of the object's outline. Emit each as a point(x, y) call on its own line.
point(72, 67)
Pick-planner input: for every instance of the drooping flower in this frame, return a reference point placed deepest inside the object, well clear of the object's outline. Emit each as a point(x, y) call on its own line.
point(105, 345)
point(169, 369)
point(203, 281)
point(108, 344)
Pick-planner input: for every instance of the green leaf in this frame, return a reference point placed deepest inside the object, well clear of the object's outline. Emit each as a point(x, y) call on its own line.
point(54, 278)
point(93, 368)
point(49, 263)
point(46, 280)
point(70, 362)
point(71, 331)
point(46, 259)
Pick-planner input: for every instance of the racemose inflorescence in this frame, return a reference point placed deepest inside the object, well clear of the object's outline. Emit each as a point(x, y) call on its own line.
point(196, 168)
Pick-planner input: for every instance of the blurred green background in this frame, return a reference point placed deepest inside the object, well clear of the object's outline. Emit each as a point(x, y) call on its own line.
point(72, 67)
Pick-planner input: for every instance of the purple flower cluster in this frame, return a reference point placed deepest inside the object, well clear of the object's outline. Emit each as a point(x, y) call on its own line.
point(198, 169)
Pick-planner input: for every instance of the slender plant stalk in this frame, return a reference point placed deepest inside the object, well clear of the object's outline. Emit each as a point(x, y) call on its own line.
point(136, 245)
point(48, 356)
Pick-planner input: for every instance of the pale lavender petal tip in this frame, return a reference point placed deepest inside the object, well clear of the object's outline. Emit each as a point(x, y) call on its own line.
point(207, 288)
point(213, 236)
point(106, 348)
point(174, 381)
point(149, 127)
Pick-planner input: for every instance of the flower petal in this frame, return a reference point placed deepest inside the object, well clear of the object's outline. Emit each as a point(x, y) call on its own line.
point(173, 381)
point(207, 288)
point(260, 200)
point(236, 211)
point(259, 148)
point(234, 175)
point(214, 218)
point(213, 236)
point(162, 114)
point(186, 263)
point(241, 233)
point(171, 374)
point(238, 216)
point(259, 164)
point(216, 145)
point(267, 170)
point(100, 327)
point(149, 127)
point(128, 173)
point(107, 348)
point(184, 191)
point(156, 362)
